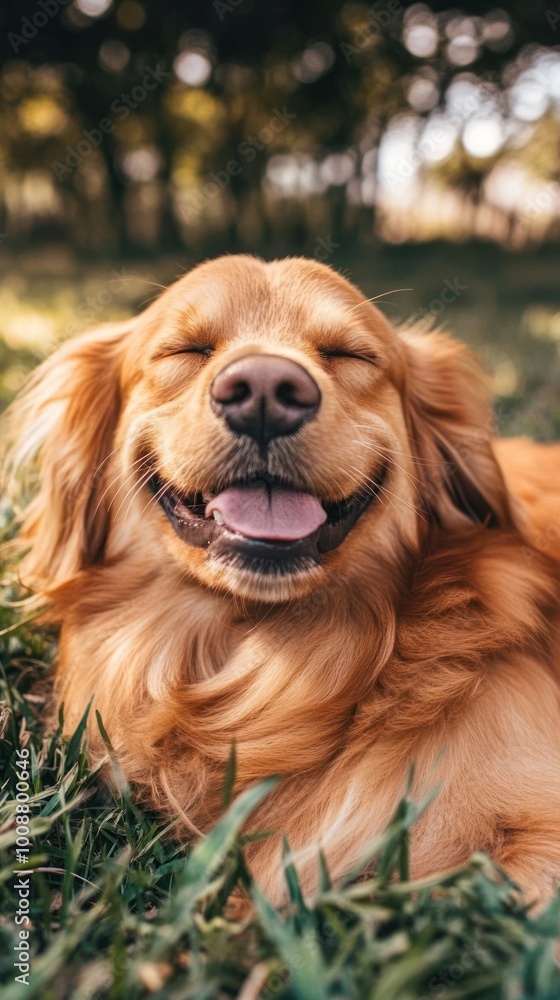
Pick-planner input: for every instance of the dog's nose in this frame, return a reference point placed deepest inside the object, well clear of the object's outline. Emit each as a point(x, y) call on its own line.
point(265, 396)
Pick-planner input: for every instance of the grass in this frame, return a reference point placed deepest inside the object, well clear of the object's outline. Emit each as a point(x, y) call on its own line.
point(118, 910)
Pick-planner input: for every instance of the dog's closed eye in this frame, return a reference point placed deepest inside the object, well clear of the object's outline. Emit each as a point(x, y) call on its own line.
point(337, 353)
point(176, 350)
point(205, 349)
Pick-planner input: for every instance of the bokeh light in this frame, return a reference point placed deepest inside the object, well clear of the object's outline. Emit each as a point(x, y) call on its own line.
point(93, 8)
point(114, 56)
point(131, 15)
point(193, 68)
point(483, 137)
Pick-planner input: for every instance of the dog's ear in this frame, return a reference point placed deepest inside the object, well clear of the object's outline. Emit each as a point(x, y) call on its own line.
point(61, 435)
point(451, 429)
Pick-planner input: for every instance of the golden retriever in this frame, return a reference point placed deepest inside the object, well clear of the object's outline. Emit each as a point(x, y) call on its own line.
point(264, 516)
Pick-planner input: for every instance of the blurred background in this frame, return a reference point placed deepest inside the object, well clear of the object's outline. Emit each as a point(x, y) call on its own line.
point(413, 147)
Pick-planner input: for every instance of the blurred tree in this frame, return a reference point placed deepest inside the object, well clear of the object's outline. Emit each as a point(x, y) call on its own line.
point(132, 126)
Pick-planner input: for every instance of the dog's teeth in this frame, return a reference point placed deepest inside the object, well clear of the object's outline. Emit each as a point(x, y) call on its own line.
point(207, 497)
point(218, 517)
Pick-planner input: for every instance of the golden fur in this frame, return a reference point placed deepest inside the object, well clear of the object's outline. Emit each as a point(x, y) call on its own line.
point(430, 635)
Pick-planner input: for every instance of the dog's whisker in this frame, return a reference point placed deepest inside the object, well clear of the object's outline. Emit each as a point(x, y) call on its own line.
point(388, 458)
point(132, 472)
point(389, 493)
point(105, 460)
point(381, 295)
point(135, 489)
point(156, 497)
point(124, 482)
point(152, 284)
point(393, 451)
point(416, 510)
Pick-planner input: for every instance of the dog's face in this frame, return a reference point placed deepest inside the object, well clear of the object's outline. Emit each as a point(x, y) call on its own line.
point(265, 416)
point(264, 427)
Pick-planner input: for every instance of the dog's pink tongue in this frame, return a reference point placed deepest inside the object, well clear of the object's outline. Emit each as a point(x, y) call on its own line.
point(268, 512)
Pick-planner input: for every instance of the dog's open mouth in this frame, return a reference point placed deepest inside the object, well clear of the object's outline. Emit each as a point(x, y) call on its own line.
point(269, 525)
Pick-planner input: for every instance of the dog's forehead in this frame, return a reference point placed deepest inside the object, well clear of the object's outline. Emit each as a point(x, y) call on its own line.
point(242, 294)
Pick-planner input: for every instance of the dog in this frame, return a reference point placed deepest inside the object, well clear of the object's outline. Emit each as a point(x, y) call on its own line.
point(264, 517)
